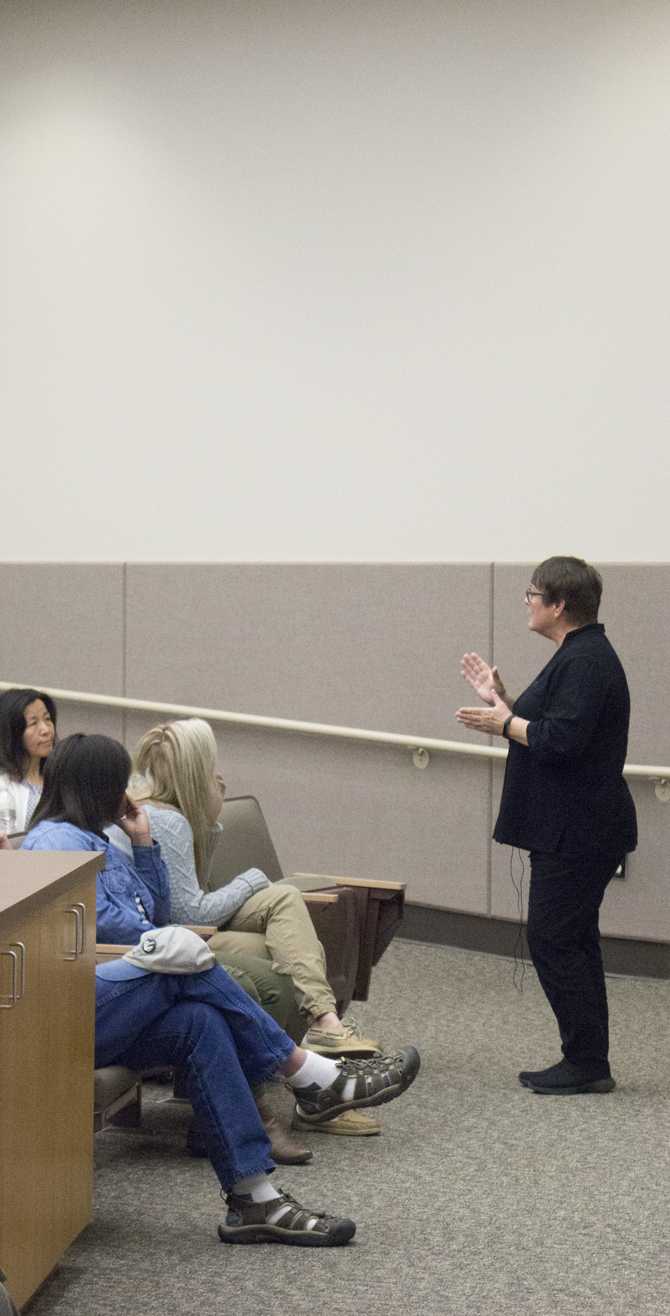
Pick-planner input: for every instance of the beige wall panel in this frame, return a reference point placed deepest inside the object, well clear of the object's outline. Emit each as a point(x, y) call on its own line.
point(635, 613)
point(368, 646)
point(102, 721)
point(364, 811)
point(640, 905)
point(365, 646)
point(635, 616)
point(66, 630)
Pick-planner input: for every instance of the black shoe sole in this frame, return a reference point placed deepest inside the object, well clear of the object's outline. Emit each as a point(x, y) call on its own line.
point(340, 1234)
point(412, 1066)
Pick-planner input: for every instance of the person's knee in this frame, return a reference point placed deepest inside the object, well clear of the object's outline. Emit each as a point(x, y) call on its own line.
point(290, 903)
point(277, 994)
point(244, 979)
point(195, 1019)
point(282, 896)
point(546, 924)
point(544, 940)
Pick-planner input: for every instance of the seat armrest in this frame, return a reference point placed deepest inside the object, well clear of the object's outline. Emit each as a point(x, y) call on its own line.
point(366, 883)
point(380, 909)
point(204, 930)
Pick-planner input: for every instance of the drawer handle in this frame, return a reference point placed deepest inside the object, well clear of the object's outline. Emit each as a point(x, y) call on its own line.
point(79, 904)
point(76, 914)
point(18, 945)
point(13, 998)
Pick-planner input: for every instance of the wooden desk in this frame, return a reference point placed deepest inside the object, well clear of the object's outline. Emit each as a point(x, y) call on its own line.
point(47, 1016)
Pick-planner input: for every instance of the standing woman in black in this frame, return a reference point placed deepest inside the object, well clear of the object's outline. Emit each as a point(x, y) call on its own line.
point(564, 800)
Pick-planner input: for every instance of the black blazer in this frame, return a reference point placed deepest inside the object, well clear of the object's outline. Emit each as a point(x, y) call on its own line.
point(564, 793)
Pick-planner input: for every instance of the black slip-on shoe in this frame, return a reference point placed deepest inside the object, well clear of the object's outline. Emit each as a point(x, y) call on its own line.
point(564, 1080)
point(282, 1220)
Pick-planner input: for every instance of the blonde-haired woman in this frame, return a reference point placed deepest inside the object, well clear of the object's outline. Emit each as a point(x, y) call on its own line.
point(178, 784)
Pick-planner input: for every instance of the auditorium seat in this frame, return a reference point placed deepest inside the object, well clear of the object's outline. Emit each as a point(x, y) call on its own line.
point(118, 1097)
point(355, 919)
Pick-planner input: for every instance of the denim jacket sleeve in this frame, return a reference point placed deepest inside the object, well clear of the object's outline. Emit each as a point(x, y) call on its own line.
point(150, 865)
point(131, 896)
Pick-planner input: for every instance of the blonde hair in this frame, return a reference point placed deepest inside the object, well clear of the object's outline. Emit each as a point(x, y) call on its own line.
point(177, 761)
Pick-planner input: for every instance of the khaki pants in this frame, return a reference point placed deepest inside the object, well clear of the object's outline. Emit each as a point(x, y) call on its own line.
point(273, 991)
point(275, 923)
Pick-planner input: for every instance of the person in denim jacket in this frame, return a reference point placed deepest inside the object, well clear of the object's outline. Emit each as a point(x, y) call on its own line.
point(203, 1022)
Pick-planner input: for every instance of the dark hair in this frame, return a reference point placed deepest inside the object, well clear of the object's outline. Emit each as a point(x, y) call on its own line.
point(573, 581)
point(85, 778)
point(13, 705)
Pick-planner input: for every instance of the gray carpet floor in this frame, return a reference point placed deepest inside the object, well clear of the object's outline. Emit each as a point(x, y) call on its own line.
point(479, 1199)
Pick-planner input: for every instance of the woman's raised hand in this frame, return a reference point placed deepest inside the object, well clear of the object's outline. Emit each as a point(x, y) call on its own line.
point(483, 679)
point(5, 843)
point(135, 823)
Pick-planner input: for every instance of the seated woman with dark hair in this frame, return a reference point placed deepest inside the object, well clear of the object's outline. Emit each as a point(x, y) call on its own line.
point(202, 1021)
point(27, 736)
point(133, 895)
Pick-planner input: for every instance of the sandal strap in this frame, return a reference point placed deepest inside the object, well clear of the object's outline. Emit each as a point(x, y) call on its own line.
point(371, 1076)
point(287, 1197)
point(295, 1218)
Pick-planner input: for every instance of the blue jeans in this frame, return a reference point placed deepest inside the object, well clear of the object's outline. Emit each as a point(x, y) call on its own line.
point(207, 1024)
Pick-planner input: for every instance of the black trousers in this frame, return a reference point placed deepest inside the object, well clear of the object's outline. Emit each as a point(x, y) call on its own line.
point(564, 944)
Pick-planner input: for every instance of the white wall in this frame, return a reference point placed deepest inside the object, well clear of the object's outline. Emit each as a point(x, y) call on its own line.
point(335, 279)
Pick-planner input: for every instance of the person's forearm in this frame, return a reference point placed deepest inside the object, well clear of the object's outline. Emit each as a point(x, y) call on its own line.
point(209, 906)
point(503, 694)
